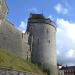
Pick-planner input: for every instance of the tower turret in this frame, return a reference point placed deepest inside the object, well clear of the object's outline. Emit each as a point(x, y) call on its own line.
point(43, 31)
point(3, 9)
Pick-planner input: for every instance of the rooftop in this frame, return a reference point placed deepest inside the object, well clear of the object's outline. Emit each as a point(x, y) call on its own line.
point(67, 67)
point(37, 16)
point(40, 18)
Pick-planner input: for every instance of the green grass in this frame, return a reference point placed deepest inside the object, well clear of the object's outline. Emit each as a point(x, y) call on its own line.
point(11, 61)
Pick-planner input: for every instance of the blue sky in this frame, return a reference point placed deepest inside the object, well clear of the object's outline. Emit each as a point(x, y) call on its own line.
point(60, 11)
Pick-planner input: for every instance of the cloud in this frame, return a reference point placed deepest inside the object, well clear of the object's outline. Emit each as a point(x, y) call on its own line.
point(67, 27)
point(22, 27)
point(65, 41)
point(70, 53)
point(51, 17)
point(33, 10)
point(60, 9)
point(59, 29)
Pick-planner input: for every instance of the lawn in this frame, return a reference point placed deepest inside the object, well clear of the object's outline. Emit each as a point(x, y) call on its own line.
point(10, 60)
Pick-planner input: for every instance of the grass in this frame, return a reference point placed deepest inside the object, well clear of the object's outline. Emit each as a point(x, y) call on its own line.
point(11, 61)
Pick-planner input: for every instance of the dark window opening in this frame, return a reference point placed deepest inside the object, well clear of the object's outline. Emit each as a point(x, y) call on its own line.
point(47, 31)
point(49, 41)
point(30, 28)
point(22, 35)
point(38, 41)
point(4, 38)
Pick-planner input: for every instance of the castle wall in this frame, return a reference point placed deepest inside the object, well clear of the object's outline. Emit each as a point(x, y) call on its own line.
point(44, 44)
point(25, 46)
point(41, 44)
point(10, 38)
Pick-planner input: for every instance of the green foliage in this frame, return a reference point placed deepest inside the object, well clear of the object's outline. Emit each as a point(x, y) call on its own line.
point(9, 60)
point(45, 68)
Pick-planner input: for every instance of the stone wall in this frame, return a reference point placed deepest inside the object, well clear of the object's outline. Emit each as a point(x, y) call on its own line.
point(10, 38)
point(25, 46)
point(43, 52)
point(10, 71)
point(44, 46)
point(13, 40)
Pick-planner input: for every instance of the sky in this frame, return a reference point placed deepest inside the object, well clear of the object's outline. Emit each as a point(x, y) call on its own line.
point(60, 11)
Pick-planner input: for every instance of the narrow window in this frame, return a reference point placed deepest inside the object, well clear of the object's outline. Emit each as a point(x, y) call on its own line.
point(27, 55)
point(18, 73)
point(47, 31)
point(22, 35)
point(38, 41)
point(49, 41)
point(30, 28)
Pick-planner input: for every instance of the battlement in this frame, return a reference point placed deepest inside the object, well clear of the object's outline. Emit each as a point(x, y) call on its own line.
point(40, 18)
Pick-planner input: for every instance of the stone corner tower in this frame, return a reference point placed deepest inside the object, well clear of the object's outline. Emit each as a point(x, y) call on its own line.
point(43, 41)
point(3, 9)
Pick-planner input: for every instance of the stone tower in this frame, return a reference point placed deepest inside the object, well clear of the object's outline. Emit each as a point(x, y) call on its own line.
point(43, 40)
point(3, 9)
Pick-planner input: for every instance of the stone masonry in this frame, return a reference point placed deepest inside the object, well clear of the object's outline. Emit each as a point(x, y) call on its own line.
point(10, 71)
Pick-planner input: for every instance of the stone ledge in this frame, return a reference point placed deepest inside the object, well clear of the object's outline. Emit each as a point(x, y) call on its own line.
point(11, 71)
